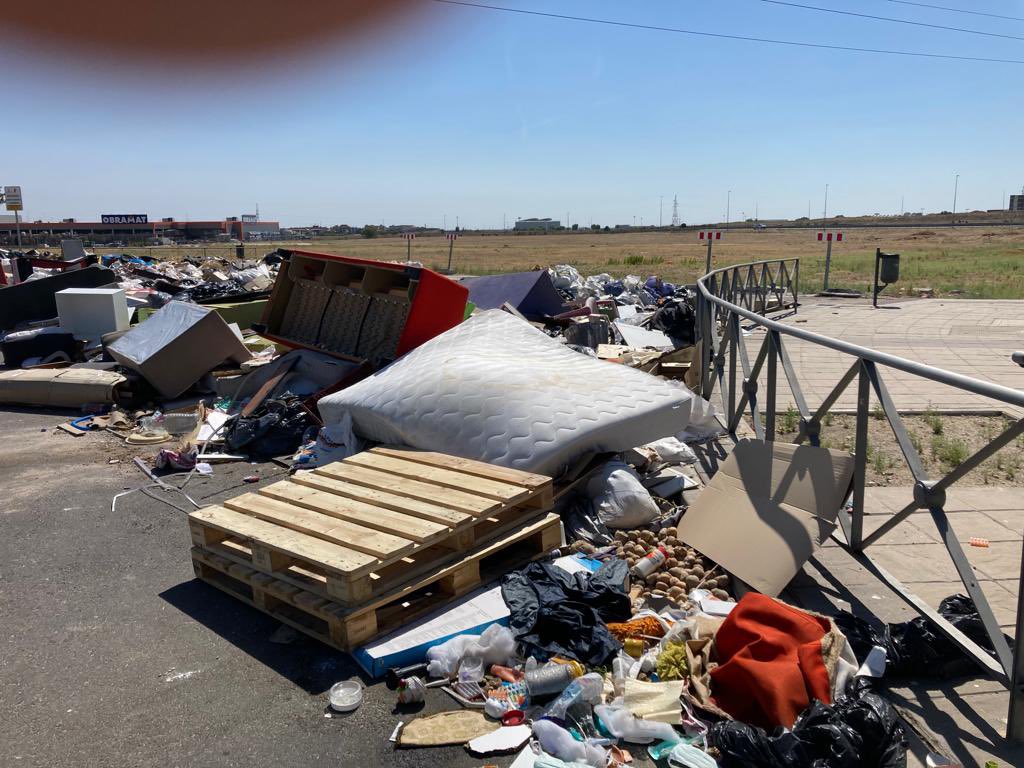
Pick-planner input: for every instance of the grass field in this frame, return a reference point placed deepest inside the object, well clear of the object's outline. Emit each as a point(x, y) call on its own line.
point(974, 262)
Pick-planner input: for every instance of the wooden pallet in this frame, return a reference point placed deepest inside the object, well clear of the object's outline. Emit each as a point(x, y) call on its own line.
point(357, 528)
point(347, 628)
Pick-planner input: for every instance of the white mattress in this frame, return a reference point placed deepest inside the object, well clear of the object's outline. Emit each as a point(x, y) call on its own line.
point(495, 388)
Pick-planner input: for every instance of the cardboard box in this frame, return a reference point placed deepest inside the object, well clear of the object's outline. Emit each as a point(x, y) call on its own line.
point(59, 387)
point(177, 346)
point(766, 511)
point(89, 313)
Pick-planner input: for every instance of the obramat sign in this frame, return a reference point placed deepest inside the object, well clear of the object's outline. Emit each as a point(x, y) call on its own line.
point(124, 218)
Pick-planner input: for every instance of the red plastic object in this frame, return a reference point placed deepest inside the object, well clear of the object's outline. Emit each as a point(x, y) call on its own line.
point(513, 717)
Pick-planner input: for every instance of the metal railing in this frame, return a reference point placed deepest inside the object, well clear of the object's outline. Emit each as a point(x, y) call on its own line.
point(733, 295)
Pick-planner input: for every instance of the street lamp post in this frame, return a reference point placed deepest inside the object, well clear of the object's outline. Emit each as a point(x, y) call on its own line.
point(956, 184)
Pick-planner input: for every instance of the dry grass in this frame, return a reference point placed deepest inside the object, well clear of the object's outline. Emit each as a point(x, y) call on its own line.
point(982, 262)
point(941, 448)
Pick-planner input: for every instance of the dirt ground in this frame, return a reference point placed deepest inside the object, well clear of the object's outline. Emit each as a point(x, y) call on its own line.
point(973, 262)
point(942, 441)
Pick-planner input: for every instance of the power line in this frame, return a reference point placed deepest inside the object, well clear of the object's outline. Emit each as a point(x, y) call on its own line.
point(723, 36)
point(892, 20)
point(958, 10)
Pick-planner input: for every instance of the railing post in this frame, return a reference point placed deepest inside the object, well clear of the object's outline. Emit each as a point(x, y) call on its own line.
point(770, 389)
point(860, 467)
point(1015, 715)
point(735, 331)
point(796, 286)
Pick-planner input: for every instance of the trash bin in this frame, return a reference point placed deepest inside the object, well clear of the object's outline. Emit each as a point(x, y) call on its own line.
point(889, 269)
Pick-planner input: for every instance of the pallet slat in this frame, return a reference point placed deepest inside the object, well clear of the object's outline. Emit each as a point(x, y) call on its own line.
point(460, 500)
point(469, 466)
point(335, 530)
point(416, 529)
point(392, 501)
point(283, 540)
point(445, 478)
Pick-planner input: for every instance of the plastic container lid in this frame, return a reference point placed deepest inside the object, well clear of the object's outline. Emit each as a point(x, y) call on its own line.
point(346, 695)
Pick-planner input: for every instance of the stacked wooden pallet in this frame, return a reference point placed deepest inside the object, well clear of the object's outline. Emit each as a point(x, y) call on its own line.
point(357, 548)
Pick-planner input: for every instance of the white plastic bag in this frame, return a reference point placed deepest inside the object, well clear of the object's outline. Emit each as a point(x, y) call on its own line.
point(622, 724)
point(495, 646)
point(672, 451)
point(558, 742)
point(619, 498)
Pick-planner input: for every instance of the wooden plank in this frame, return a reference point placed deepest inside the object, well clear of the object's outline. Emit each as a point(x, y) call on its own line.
point(445, 478)
point(261, 394)
point(547, 529)
point(328, 528)
point(330, 556)
point(414, 528)
point(384, 499)
point(469, 466)
point(465, 502)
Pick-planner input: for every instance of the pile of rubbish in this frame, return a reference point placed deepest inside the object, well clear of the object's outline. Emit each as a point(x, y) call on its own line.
point(581, 677)
point(656, 626)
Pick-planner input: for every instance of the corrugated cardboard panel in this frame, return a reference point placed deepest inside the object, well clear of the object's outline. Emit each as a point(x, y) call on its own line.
point(767, 509)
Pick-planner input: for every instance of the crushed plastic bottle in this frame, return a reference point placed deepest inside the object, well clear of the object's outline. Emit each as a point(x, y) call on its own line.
point(587, 689)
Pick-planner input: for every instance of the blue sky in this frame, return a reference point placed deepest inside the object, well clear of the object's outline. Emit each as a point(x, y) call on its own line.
point(480, 114)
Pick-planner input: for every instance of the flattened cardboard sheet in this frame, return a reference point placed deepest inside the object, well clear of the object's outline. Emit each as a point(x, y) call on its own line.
point(766, 511)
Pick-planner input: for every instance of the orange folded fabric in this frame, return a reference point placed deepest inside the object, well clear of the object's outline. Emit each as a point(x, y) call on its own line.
point(770, 662)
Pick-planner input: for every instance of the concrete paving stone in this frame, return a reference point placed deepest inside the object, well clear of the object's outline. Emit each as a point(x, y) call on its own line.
point(969, 727)
point(904, 533)
point(968, 525)
point(918, 562)
point(992, 498)
point(1001, 560)
point(1003, 604)
point(1009, 518)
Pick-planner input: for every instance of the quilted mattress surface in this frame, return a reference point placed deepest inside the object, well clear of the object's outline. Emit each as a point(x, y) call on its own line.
point(496, 389)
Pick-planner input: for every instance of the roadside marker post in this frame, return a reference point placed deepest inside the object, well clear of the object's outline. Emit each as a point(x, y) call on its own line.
point(710, 235)
point(452, 237)
point(11, 198)
point(409, 237)
point(828, 237)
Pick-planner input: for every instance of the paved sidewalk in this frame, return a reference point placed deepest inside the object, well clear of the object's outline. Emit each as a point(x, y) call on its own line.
point(964, 717)
point(974, 338)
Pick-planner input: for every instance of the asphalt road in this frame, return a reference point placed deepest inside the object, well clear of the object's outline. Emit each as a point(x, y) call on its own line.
point(113, 654)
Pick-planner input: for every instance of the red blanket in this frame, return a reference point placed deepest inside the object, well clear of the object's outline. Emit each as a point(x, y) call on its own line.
point(770, 662)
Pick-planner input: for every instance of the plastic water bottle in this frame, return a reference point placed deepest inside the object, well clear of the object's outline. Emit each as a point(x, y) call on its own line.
point(583, 689)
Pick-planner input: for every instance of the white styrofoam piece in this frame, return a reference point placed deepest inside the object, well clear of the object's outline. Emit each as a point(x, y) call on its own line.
point(470, 614)
point(635, 336)
point(89, 313)
point(502, 740)
point(498, 390)
point(714, 607)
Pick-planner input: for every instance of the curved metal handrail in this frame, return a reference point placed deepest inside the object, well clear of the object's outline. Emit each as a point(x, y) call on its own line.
point(977, 386)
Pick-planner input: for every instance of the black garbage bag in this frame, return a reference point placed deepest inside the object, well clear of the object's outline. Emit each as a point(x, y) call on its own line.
point(581, 524)
point(915, 648)
point(677, 319)
point(861, 731)
point(274, 429)
point(554, 613)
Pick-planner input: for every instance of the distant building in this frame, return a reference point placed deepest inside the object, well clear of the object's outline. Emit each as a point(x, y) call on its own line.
point(137, 227)
point(1017, 202)
point(533, 224)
